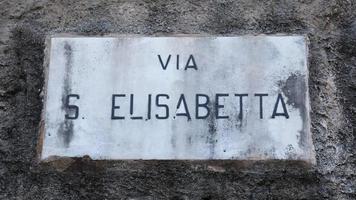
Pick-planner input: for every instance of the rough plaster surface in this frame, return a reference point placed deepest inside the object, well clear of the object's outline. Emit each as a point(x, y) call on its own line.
point(329, 25)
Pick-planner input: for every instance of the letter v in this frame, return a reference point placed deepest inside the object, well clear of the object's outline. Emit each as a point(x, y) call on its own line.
point(164, 66)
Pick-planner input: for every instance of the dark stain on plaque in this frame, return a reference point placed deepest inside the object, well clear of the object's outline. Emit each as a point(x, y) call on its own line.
point(295, 89)
point(65, 130)
point(212, 130)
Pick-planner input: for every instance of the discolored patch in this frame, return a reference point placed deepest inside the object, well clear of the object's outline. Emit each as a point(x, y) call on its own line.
point(65, 130)
point(295, 89)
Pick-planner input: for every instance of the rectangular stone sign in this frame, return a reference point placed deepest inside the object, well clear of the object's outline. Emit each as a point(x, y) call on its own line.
point(184, 97)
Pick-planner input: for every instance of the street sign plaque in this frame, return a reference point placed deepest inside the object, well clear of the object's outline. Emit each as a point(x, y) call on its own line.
point(184, 97)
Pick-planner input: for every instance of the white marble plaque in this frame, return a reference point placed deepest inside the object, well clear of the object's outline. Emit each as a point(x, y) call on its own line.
point(186, 97)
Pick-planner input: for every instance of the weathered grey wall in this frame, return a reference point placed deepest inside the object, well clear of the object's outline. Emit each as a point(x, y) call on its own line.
point(330, 26)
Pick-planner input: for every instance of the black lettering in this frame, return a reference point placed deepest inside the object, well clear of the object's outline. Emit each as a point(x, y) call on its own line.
point(132, 108)
point(193, 65)
point(241, 104)
point(285, 113)
point(162, 105)
point(218, 106)
point(164, 66)
point(186, 113)
point(261, 103)
point(149, 107)
point(72, 107)
point(201, 105)
point(114, 107)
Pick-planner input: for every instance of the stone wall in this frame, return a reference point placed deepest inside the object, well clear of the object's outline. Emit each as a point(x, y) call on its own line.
point(329, 25)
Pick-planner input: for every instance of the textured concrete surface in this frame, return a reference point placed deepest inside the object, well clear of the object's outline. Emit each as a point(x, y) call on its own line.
point(330, 26)
point(159, 80)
